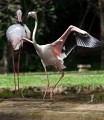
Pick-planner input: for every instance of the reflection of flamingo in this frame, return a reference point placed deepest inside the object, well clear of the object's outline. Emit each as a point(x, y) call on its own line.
point(14, 35)
point(54, 53)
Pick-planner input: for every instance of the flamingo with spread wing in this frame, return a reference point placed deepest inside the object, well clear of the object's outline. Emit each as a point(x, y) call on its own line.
point(54, 53)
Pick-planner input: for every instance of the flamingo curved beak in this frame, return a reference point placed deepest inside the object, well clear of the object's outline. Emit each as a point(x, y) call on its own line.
point(20, 18)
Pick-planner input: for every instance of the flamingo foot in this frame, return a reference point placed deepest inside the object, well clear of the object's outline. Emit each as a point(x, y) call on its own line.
point(51, 94)
point(46, 91)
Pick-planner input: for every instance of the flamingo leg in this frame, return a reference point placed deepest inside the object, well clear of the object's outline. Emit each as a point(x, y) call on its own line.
point(25, 39)
point(48, 83)
point(51, 92)
point(14, 68)
point(18, 66)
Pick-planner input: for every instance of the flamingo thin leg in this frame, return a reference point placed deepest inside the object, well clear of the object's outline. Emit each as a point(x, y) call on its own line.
point(27, 40)
point(51, 92)
point(18, 67)
point(48, 83)
point(14, 68)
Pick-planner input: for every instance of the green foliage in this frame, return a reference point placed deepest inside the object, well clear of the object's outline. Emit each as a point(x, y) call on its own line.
point(7, 17)
point(7, 13)
point(6, 93)
point(54, 16)
point(46, 19)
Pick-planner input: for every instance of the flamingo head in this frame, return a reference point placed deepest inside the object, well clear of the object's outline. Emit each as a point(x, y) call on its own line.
point(32, 14)
point(19, 15)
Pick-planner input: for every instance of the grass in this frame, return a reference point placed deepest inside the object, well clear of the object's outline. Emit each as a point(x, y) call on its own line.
point(72, 79)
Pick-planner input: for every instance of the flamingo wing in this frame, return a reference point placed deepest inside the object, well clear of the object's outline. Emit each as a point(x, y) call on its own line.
point(86, 40)
point(71, 38)
point(79, 39)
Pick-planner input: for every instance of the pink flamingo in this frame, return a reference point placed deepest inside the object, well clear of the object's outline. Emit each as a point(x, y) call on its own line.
point(54, 53)
point(15, 34)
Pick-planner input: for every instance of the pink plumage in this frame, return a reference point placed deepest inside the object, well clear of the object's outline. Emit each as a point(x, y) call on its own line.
point(54, 53)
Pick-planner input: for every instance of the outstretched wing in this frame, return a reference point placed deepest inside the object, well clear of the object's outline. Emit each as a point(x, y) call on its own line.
point(78, 39)
point(68, 45)
point(86, 40)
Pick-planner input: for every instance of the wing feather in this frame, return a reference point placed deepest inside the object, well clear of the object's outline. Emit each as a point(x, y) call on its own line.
point(78, 39)
point(86, 40)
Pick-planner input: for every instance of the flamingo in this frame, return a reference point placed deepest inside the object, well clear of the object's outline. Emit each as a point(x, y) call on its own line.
point(55, 53)
point(14, 35)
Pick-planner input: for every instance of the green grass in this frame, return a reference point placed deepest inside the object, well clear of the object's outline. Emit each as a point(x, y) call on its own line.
point(74, 78)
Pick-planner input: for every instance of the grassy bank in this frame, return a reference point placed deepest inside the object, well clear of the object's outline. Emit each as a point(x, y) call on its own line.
point(39, 79)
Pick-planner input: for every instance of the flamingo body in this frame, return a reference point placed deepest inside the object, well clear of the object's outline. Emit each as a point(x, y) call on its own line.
point(15, 33)
point(48, 57)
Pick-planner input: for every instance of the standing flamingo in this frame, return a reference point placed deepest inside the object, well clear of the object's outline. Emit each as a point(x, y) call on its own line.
point(54, 53)
point(14, 35)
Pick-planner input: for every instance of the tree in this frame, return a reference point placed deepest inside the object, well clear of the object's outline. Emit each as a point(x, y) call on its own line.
point(101, 8)
point(7, 17)
point(54, 16)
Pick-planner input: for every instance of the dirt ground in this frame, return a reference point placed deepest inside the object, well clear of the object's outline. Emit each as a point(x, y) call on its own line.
point(46, 110)
point(70, 103)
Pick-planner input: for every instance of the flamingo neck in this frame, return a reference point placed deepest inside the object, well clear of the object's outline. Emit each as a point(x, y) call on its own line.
point(33, 36)
point(34, 33)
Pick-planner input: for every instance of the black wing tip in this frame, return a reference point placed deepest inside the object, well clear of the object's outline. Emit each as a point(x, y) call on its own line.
point(86, 40)
point(102, 42)
point(98, 43)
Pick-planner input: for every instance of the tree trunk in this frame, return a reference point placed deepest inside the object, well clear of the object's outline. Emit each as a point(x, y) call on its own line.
point(101, 8)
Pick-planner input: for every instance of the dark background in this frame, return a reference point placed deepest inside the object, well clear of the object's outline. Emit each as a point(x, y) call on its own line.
point(54, 17)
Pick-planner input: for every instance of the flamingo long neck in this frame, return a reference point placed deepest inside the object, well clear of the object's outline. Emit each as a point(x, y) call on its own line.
point(34, 33)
